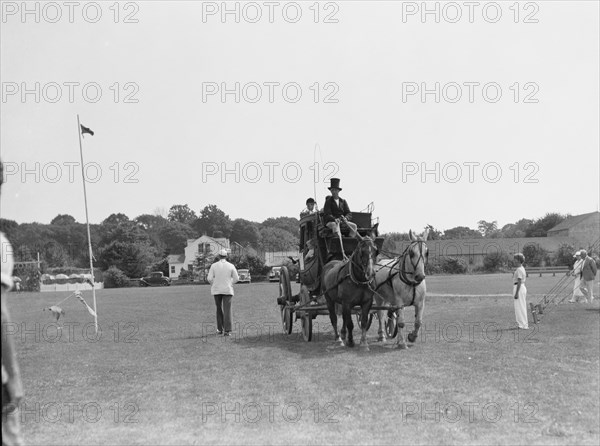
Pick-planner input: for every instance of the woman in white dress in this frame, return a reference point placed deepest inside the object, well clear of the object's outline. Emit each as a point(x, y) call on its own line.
point(577, 293)
point(520, 293)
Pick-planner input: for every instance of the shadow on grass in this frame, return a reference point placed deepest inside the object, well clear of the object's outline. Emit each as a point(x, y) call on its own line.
point(323, 344)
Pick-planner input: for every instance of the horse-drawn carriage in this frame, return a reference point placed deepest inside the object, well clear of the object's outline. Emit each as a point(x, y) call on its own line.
point(322, 251)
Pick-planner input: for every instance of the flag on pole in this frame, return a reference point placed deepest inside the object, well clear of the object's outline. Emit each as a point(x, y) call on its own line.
point(85, 130)
point(78, 295)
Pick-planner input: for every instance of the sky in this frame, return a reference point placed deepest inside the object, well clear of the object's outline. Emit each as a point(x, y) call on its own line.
point(441, 117)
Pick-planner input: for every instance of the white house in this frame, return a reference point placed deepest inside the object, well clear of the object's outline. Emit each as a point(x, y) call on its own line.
point(204, 244)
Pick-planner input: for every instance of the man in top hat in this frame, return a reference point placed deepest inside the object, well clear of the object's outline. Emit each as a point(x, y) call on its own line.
point(336, 211)
point(222, 275)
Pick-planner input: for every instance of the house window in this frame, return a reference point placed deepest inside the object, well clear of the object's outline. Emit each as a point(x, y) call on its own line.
point(172, 269)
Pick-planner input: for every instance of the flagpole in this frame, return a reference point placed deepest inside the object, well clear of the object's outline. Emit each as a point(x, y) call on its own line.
point(87, 222)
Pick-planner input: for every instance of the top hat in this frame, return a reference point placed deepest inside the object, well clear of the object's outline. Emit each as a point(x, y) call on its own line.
point(335, 184)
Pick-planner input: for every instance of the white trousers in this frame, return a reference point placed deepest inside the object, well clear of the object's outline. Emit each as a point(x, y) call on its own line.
point(521, 306)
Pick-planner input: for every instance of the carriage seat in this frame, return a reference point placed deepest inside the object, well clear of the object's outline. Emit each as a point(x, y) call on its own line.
point(361, 219)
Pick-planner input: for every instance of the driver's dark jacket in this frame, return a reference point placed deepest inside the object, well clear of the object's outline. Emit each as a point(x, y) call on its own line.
point(331, 210)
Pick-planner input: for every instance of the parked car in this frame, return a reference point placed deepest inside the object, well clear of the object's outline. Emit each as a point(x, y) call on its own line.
point(274, 274)
point(156, 278)
point(244, 275)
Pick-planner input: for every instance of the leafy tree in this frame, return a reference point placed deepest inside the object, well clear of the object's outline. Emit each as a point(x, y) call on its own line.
point(289, 224)
point(255, 264)
point(245, 232)
point(496, 261)
point(276, 239)
point(63, 219)
point(150, 222)
point(202, 263)
point(516, 230)
point(116, 219)
point(211, 220)
point(9, 227)
point(182, 214)
point(453, 265)
point(564, 255)
point(54, 255)
point(487, 229)
point(115, 278)
point(434, 234)
point(175, 235)
point(535, 255)
point(131, 258)
point(161, 265)
point(460, 232)
point(542, 225)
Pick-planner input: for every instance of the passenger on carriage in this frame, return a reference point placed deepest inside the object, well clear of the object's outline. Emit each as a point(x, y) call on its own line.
point(310, 208)
point(336, 211)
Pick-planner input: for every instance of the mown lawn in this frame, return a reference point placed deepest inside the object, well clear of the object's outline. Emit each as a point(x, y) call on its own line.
point(159, 375)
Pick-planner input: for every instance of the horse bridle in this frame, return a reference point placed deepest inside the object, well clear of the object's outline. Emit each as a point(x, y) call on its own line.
point(351, 262)
point(402, 272)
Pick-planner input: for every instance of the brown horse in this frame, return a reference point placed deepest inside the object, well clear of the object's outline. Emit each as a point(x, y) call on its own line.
point(349, 283)
point(400, 282)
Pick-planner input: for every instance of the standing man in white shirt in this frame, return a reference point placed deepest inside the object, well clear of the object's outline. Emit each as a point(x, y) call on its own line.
point(222, 275)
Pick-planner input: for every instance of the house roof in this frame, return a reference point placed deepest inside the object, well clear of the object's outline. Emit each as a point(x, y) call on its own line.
point(572, 221)
point(176, 258)
point(222, 242)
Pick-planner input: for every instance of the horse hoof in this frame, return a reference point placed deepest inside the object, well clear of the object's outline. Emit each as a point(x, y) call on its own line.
point(350, 344)
point(412, 338)
point(381, 339)
point(401, 346)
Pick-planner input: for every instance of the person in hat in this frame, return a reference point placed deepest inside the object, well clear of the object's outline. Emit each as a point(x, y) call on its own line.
point(310, 208)
point(588, 274)
point(576, 272)
point(520, 292)
point(12, 387)
point(222, 275)
point(336, 211)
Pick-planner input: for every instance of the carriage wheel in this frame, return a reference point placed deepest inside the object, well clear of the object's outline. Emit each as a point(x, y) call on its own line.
point(307, 327)
point(285, 296)
point(369, 321)
point(391, 327)
point(286, 319)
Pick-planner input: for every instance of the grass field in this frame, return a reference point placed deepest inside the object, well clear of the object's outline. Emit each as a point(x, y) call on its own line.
point(157, 373)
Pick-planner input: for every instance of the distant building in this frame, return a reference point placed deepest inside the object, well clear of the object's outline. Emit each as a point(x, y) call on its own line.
point(584, 229)
point(203, 245)
point(577, 231)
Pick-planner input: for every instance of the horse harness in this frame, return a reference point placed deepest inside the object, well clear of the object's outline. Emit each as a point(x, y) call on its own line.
point(403, 273)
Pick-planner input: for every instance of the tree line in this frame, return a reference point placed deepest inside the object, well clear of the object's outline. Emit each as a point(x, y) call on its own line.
point(142, 244)
point(136, 246)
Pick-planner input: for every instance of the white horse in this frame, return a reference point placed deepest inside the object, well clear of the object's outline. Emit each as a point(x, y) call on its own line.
point(400, 282)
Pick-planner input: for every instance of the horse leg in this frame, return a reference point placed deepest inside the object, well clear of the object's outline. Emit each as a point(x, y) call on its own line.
point(344, 331)
point(381, 315)
point(412, 337)
point(401, 343)
point(347, 316)
point(364, 317)
point(333, 319)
